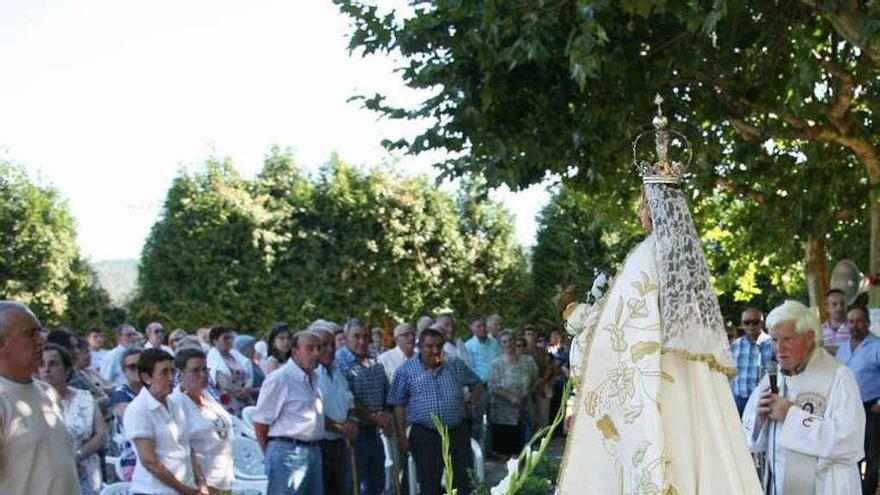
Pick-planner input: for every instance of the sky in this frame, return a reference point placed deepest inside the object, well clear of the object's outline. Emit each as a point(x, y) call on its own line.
point(108, 100)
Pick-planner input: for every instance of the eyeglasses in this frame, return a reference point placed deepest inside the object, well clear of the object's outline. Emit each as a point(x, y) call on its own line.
point(751, 322)
point(520, 344)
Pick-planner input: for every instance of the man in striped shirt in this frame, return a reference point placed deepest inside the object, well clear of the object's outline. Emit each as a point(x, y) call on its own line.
point(751, 353)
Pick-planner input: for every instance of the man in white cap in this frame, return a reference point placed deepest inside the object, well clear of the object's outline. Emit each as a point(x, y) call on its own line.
point(813, 429)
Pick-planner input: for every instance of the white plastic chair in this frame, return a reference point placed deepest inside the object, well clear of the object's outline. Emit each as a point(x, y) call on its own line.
point(247, 415)
point(120, 488)
point(242, 429)
point(249, 487)
point(117, 467)
point(479, 460)
point(247, 460)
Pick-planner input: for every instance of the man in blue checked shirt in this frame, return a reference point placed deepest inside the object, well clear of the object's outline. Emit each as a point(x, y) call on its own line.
point(425, 385)
point(369, 385)
point(751, 353)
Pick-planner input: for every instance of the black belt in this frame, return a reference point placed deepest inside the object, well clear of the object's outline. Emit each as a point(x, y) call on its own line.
point(295, 441)
point(332, 441)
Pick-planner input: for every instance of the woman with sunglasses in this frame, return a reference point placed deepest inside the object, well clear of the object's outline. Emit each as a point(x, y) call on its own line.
point(209, 425)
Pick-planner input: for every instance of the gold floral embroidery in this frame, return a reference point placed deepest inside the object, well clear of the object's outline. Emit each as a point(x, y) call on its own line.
point(606, 426)
point(646, 285)
point(642, 349)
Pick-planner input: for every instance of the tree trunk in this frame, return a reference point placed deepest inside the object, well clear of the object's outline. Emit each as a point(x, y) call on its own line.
point(817, 272)
point(874, 263)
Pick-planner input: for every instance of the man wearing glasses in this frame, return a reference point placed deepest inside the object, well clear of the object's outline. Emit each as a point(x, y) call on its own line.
point(751, 353)
point(155, 337)
point(112, 370)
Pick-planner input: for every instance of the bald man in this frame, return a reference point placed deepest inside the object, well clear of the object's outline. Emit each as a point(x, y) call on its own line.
point(36, 450)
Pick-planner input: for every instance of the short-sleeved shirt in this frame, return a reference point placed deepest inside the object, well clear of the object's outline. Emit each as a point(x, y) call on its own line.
point(391, 360)
point(146, 417)
point(425, 391)
point(367, 383)
point(834, 337)
point(36, 449)
point(127, 458)
point(338, 400)
point(516, 377)
point(210, 431)
point(865, 365)
point(751, 359)
point(111, 367)
point(291, 404)
point(96, 360)
point(482, 354)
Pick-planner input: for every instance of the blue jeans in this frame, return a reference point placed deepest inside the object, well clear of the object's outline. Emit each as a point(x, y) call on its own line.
point(293, 469)
point(370, 461)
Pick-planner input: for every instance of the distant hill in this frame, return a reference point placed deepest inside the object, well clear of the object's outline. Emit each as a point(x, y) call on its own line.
point(118, 277)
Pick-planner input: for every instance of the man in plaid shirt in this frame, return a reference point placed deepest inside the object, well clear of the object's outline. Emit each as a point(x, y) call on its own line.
point(751, 353)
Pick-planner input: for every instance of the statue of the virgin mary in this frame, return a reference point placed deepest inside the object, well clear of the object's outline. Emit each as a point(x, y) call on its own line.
point(654, 412)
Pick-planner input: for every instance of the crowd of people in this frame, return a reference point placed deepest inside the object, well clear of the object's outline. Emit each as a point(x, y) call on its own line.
point(327, 403)
point(324, 400)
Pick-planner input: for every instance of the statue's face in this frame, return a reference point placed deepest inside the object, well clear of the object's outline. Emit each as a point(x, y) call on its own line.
point(791, 348)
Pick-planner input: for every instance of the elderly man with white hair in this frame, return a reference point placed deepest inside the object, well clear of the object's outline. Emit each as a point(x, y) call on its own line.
point(404, 348)
point(815, 446)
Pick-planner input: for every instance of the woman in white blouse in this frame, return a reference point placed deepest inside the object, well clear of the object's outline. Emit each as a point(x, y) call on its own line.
point(230, 371)
point(158, 428)
point(208, 423)
point(81, 415)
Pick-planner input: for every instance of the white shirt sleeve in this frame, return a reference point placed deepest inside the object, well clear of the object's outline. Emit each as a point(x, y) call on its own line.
point(137, 423)
point(755, 431)
point(840, 435)
point(107, 365)
point(273, 395)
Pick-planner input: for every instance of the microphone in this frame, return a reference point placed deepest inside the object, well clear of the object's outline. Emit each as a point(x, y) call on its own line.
point(773, 374)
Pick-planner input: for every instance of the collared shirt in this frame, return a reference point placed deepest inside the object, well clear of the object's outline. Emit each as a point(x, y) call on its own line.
point(751, 359)
point(392, 360)
point(457, 350)
point(291, 404)
point(482, 354)
point(37, 448)
point(368, 384)
point(97, 358)
point(112, 366)
point(146, 417)
point(210, 431)
point(865, 365)
point(424, 391)
point(164, 347)
point(834, 337)
point(338, 400)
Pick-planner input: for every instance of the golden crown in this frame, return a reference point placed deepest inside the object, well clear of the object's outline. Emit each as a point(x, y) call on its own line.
point(664, 170)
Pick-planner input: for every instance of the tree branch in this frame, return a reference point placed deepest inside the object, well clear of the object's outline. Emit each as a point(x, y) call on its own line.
point(848, 20)
point(844, 97)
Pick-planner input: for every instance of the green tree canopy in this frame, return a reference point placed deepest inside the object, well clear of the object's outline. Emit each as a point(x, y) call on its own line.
point(523, 88)
point(345, 242)
point(40, 263)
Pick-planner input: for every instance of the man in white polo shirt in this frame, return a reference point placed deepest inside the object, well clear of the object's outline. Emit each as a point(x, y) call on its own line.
point(289, 422)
